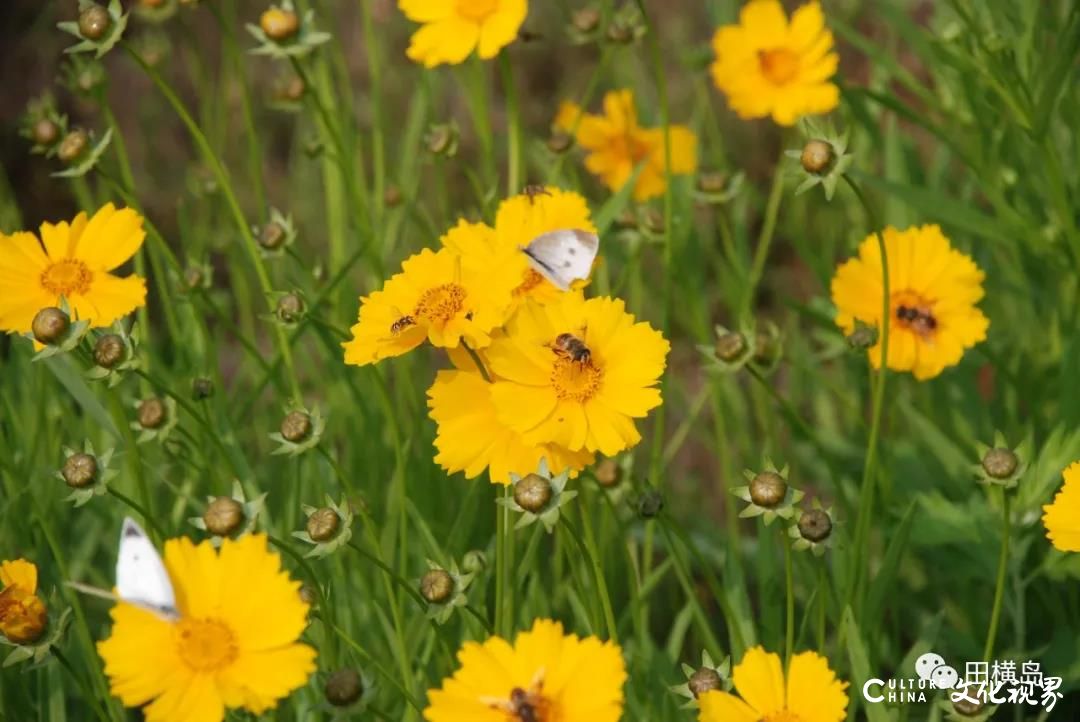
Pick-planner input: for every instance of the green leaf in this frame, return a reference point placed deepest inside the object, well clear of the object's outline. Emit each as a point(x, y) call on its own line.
point(860, 666)
point(617, 203)
point(883, 588)
point(73, 381)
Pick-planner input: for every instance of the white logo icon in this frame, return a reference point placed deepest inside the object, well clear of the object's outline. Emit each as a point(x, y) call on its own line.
point(931, 668)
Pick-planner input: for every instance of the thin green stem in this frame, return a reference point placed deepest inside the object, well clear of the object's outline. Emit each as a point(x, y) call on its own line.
point(866, 489)
point(789, 589)
point(822, 606)
point(87, 693)
point(592, 551)
point(501, 523)
point(765, 238)
point(223, 181)
point(513, 135)
point(477, 360)
point(141, 510)
point(999, 587)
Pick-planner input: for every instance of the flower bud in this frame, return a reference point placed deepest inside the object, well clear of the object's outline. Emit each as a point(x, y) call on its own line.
point(193, 277)
point(532, 493)
point(94, 22)
point(323, 524)
point(201, 388)
point(1000, 463)
point(475, 561)
point(151, 413)
point(560, 142)
point(627, 220)
point(815, 525)
point(968, 706)
point(730, 347)
point(608, 473)
point(766, 348)
point(768, 489)
point(654, 221)
point(293, 89)
point(864, 336)
point(296, 426)
point(441, 139)
point(437, 586)
point(308, 595)
point(290, 308)
point(705, 680)
point(49, 325)
point(223, 516)
point(650, 504)
point(279, 25)
point(585, 20)
point(24, 617)
point(79, 471)
point(817, 157)
point(620, 33)
point(109, 351)
point(44, 132)
point(344, 687)
point(272, 236)
point(73, 146)
point(392, 196)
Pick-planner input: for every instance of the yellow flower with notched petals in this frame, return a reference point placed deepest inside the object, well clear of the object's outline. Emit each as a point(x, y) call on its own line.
point(518, 221)
point(812, 692)
point(562, 677)
point(22, 613)
point(234, 644)
point(452, 29)
point(1062, 517)
point(616, 145)
point(73, 261)
point(552, 392)
point(933, 290)
point(436, 297)
point(767, 65)
point(471, 438)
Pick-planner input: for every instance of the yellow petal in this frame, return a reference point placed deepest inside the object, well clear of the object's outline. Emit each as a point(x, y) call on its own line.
point(760, 681)
point(814, 694)
point(109, 298)
point(719, 706)
point(195, 700)
point(449, 40)
point(501, 28)
point(19, 573)
point(110, 238)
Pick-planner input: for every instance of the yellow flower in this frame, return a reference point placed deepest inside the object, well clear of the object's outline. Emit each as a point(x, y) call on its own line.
point(452, 29)
point(519, 220)
point(933, 290)
point(234, 644)
point(558, 676)
point(812, 693)
point(436, 297)
point(616, 144)
point(74, 264)
point(22, 613)
point(576, 373)
point(471, 437)
point(1062, 517)
point(769, 66)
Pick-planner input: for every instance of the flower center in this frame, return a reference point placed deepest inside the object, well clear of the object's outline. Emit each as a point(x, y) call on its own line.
point(67, 277)
point(477, 10)
point(205, 645)
point(531, 280)
point(779, 65)
point(575, 380)
point(914, 313)
point(442, 303)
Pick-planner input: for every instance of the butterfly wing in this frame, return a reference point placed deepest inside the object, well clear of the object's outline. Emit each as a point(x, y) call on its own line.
point(563, 256)
point(141, 578)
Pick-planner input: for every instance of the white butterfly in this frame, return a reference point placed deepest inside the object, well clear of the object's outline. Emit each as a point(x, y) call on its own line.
point(141, 578)
point(563, 256)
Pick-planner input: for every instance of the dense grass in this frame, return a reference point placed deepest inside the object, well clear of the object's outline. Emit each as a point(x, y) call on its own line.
point(959, 113)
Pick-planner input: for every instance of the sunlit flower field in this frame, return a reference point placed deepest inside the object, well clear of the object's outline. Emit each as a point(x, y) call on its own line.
point(523, 361)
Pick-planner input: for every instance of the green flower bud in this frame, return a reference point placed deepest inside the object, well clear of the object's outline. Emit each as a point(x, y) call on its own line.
point(705, 680)
point(1000, 463)
point(437, 586)
point(272, 236)
point(608, 473)
point(559, 142)
point(392, 196)
point(968, 707)
point(44, 132)
point(818, 157)
point(730, 347)
point(296, 426)
point(278, 24)
point(151, 413)
point(80, 470)
point(768, 489)
point(323, 524)
point(94, 22)
point(650, 504)
point(344, 687)
point(202, 388)
point(49, 325)
point(109, 351)
point(586, 20)
point(533, 493)
point(290, 308)
point(223, 516)
point(815, 525)
point(73, 146)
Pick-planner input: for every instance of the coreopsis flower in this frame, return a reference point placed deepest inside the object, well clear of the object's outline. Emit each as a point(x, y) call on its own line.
point(22, 613)
point(933, 290)
point(810, 693)
point(542, 672)
point(233, 645)
point(518, 221)
point(576, 373)
point(471, 437)
point(435, 297)
point(616, 144)
point(72, 262)
point(767, 65)
point(451, 31)
point(1062, 517)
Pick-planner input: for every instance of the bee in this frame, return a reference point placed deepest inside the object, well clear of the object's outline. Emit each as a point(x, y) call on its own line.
point(570, 346)
point(401, 324)
point(532, 191)
point(523, 705)
point(918, 318)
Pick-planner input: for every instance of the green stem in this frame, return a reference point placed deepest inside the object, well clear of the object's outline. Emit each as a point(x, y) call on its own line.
point(866, 496)
point(502, 627)
point(476, 359)
point(222, 178)
point(765, 238)
point(999, 588)
point(823, 600)
point(140, 509)
point(88, 693)
point(591, 551)
point(513, 135)
point(789, 587)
